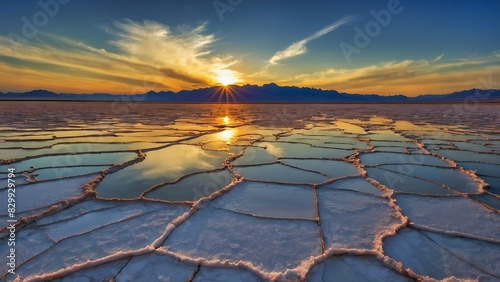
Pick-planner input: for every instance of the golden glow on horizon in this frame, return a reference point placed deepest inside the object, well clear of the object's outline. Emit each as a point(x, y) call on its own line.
point(224, 94)
point(226, 77)
point(226, 120)
point(141, 64)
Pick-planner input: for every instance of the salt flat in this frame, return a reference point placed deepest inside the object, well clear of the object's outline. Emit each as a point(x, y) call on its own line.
point(262, 192)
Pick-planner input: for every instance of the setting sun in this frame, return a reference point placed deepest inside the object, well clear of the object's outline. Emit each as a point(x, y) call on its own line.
point(226, 77)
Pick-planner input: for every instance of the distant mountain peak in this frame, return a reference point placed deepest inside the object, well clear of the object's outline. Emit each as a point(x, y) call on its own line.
point(267, 93)
point(272, 84)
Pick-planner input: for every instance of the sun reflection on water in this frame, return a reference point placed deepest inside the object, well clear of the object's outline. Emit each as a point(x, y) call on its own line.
point(226, 135)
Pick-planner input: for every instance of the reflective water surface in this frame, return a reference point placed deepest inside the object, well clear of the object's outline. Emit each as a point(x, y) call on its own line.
point(276, 192)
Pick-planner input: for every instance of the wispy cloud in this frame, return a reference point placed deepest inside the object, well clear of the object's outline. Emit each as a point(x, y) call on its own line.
point(299, 47)
point(409, 77)
point(438, 58)
point(149, 56)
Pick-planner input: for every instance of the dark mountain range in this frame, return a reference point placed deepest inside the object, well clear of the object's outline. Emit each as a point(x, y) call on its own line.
point(268, 93)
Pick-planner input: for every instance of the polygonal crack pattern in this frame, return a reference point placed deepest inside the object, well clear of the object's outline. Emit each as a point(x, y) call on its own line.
point(252, 193)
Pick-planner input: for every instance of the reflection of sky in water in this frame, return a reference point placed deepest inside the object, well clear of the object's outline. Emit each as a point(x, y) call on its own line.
point(76, 148)
point(72, 160)
point(193, 187)
point(293, 150)
point(163, 165)
point(274, 150)
point(172, 161)
point(317, 146)
point(349, 127)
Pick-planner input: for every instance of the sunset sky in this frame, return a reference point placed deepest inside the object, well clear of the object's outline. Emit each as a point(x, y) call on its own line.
point(384, 47)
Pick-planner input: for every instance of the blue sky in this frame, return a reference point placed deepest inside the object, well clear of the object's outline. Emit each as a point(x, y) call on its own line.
point(135, 46)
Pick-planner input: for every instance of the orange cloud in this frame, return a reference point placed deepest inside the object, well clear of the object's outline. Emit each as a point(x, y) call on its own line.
point(150, 57)
point(408, 77)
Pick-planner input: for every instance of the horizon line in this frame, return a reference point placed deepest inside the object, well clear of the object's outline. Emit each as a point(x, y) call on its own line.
point(255, 85)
